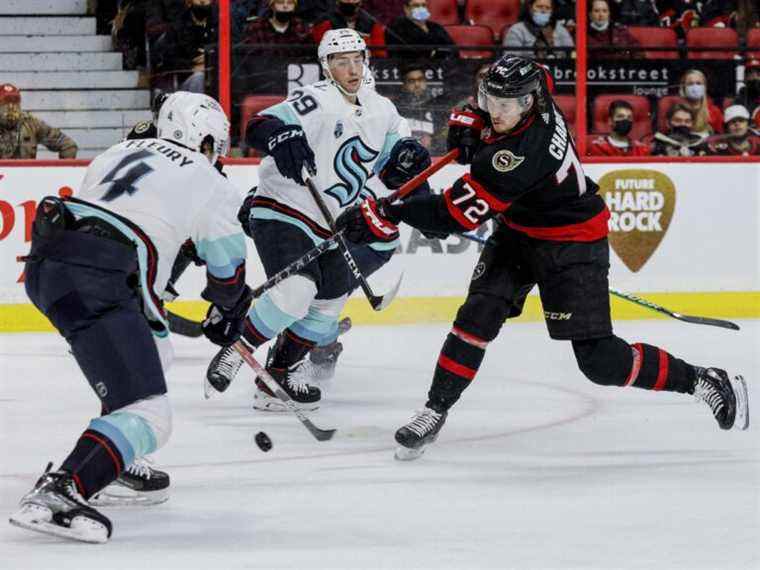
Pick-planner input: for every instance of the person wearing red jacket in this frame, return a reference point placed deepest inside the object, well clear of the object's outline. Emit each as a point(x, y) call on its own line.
point(618, 143)
point(349, 14)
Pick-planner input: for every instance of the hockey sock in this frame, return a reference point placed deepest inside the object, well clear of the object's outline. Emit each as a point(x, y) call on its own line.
point(458, 363)
point(252, 335)
point(290, 349)
point(655, 369)
point(94, 462)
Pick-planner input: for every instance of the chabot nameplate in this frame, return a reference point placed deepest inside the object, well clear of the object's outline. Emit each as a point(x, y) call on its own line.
point(641, 204)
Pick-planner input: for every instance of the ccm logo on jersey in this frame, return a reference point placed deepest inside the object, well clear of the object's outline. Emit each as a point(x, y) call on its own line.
point(470, 204)
point(506, 160)
point(289, 134)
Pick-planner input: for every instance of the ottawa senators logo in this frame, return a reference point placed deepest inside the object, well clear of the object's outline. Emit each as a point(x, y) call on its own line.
point(506, 160)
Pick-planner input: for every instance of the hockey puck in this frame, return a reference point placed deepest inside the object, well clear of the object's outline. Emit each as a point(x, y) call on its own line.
point(263, 441)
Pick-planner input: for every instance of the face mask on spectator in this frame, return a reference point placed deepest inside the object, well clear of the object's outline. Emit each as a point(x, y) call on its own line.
point(421, 14)
point(201, 12)
point(10, 115)
point(283, 17)
point(681, 131)
point(348, 10)
point(695, 91)
point(600, 26)
point(622, 127)
point(541, 18)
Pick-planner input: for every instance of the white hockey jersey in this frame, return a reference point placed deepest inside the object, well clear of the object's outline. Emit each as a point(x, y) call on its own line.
point(168, 194)
point(350, 144)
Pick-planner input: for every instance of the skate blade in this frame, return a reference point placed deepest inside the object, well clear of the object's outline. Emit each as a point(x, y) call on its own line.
point(408, 454)
point(739, 385)
point(116, 495)
point(39, 519)
point(266, 403)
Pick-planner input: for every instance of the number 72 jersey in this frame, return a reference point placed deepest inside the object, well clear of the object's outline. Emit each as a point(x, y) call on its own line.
point(533, 181)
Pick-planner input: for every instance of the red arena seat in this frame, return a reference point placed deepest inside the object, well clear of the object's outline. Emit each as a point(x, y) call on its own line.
point(472, 36)
point(652, 37)
point(443, 12)
point(492, 13)
point(566, 103)
point(253, 104)
point(711, 38)
point(642, 114)
point(753, 43)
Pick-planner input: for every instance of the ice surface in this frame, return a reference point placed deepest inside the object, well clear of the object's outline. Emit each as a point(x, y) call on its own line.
point(536, 468)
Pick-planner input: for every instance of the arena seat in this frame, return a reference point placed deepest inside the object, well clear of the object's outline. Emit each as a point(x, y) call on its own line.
point(472, 36)
point(711, 38)
point(642, 114)
point(753, 43)
point(443, 12)
point(253, 104)
point(566, 103)
point(492, 13)
point(653, 37)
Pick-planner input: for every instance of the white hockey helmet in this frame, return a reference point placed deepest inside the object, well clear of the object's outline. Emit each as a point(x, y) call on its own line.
point(342, 40)
point(190, 118)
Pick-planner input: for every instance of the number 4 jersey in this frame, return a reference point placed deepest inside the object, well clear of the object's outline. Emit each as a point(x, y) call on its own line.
point(350, 143)
point(533, 181)
point(159, 194)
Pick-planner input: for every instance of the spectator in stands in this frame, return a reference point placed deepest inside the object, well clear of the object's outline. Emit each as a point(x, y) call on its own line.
point(415, 28)
point(618, 143)
point(472, 100)
point(414, 103)
point(348, 14)
point(384, 10)
point(539, 30)
point(242, 12)
point(749, 95)
point(746, 17)
point(128, 32)
point(181, 51)
point(159, 14)
point(280, 26)
point(637, 12)
point(20, 132)
point(603, 33)
point(707, 117)
point(738, 140)
point(678, 139)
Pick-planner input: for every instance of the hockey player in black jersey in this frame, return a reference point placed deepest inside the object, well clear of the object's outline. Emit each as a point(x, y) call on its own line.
point(551, 231)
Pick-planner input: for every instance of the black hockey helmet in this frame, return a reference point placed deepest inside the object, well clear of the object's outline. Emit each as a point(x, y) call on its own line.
point(511, 77)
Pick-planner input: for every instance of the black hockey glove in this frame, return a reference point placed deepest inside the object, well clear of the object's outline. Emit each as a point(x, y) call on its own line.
point(291, 152)
point(407, 159)
point(464, 132)
point(224, 325)
point(421, 191)
point(368, 222)
point(244, 213)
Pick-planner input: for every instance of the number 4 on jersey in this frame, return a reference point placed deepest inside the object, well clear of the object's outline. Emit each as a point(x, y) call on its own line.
point(126, 183)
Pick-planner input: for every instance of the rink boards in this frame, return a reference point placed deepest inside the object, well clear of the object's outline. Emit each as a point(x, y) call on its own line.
point(684, 235)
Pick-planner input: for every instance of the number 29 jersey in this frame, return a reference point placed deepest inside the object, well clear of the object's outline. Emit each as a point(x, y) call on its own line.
point(350, 143)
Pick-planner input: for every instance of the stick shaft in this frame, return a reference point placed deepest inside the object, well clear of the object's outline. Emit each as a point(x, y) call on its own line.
point(412, 185)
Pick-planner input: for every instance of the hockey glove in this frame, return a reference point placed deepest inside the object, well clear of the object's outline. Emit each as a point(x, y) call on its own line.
point(224, 325)
point(367, 223)
point(244, 213)
point(407, 159)
point(464, 132)
point(291, 152)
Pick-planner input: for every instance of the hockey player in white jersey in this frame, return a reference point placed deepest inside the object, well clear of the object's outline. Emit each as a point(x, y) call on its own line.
point(343, 133)
point(97, 266)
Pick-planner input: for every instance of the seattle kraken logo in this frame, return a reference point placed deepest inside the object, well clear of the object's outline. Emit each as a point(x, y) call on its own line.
point(349, 166)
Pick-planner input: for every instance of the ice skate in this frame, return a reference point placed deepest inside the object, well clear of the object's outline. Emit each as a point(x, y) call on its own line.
point(139, 485)
point(222, 370)
point(727, 398)
point(320, 366)
point(55, 507)
point(292, 380)
point(421, 431)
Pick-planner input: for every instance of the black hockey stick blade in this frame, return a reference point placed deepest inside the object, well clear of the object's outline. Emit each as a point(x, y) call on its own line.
point(318, 433)
point(186, 327)
point(685, 318)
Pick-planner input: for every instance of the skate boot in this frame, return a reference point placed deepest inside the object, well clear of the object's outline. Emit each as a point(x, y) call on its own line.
point(421, 431)
point(726, 398)
point(138, 485)
point(292, 380)
point(222, 370)
point(55, 507)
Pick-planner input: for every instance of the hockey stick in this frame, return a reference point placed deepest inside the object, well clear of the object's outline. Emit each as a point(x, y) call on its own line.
point(648, 304)
point(412, 185)
point(319, 434)
point(378, 302)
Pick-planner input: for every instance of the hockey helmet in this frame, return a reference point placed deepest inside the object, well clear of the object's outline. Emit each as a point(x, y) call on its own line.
point(342, 40)
point(190, 119)
point(511, 84)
